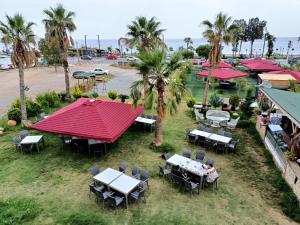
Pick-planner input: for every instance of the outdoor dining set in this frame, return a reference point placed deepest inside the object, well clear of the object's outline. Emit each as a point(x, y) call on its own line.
point(186, 173)
point(148, 121)
point(28, 143)
point(115, 188)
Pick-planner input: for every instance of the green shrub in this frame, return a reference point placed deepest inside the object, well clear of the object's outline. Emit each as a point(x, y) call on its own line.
point(76, 92)
point(86, 95)
point(84, 219)
point(62, 96)
point(165, 147)
point(215, 100)
point(245, 107)
point(33, 108)
point(17, 211)
point(49, 99)
point(112, 95)
point(264, 105)
point(95, 95)
point(234, 101)
point(15, 114)
point(190, 102)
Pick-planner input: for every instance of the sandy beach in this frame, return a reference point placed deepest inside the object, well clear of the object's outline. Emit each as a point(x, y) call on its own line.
point(42, 79)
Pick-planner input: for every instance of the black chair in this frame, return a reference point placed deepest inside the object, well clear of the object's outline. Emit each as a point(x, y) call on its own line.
point(164, 171)
point(27, 148)
point(201, 127)
point(209, 143)
point(232, 145)
point(193, 138)
point(177, 180)
point(200, 156)
point(166, 156)
point(135, 171)
point(145, 177)
point(122, 167)
point(23, 134)
point(221, 147)
point(94, 189)
point(115, 201)
point(208, 122)
point(228, 134)
point(17, 143)
point(210, 162)
point(201, 140)
point(103, 195)
point(223, 123)
point(95, 170)
point(137, 195)
point(187, 153)
point(190, 186)
point(221, 132)
point(208, 130)
point(213, 184)
point(187, 132)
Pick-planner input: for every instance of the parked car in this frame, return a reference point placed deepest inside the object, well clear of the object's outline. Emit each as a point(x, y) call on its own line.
point(86, 57)
point(99, 71)
point(82, 75)
point(112, 57)
point(132, 59)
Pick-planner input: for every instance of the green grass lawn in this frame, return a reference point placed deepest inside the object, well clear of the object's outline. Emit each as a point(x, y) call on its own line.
point(52, 187)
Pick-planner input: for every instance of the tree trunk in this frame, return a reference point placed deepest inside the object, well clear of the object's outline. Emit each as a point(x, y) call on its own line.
point(67, 80)
point(263, 50)
point(240, 47)
point(160, 112)
point(204, 100)
point(55, 68)
point(251, 49)
point(22, 93)
point(145, 82)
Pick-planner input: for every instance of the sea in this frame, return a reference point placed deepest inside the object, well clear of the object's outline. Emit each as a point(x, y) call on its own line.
point(280, 46)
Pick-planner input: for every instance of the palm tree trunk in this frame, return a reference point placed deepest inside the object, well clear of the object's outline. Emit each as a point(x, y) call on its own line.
point(66, 69)
point(145, 83)
point(22, 93)
point(160, 112)
point(251, 48)
point(204, 100)
point(264, 45)
point(240, 47)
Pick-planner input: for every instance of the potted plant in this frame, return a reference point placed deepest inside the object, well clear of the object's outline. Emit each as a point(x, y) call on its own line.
point(123, 97)
point(264, 105)
point(190, 102)
point(112, 95)
point(234, 101)
point(215, 101)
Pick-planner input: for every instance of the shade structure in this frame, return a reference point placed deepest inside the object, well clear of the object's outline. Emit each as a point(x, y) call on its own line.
point(257, 60)
point(102, 120)
point(293, 73)
point(220, 65)
point(223, 74)
point(261, 66)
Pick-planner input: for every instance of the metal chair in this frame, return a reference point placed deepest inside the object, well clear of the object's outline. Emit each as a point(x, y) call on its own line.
point(201, 127)
point(164, 171)
point(27, 148)
point(232, 145)
point(209, 143)
point(115, 201)
point(122, 167)
point(193, 138)
point(144, 177)
point(23, 134)
point(138, 195)
point(208, 130)
point(95, 170)
point(221, 147)
point(17, 143)
point(187, 132)
point(227, 134)
point(166, 156)
point(187, 153)
point(200, 155)
point(223, 123)
point(135, 171)
point(210, 162)
point(221, 132)
point(190, 186)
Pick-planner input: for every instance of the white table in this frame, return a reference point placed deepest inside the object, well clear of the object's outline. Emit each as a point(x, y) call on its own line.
point(145, 120)
point(178, 160)
point(107, 176)
point(275, 128)
point(197, 106)
point(33, 140)
point(220, 138)
point(197, 168)
point(200, 133)
point(124, 184)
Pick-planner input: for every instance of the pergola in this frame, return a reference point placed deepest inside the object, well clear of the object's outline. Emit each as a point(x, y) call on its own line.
point(223, 74)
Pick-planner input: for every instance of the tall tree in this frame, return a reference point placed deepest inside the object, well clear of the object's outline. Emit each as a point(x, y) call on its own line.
point(167, 87)
point(145, 34)
point(240, 32)
point(203, 50)
point(218, 32)
point(270, 43)
point(58, 23)
point(19, 33)
point(290, 45)
point(254, 31)
point(188, 41)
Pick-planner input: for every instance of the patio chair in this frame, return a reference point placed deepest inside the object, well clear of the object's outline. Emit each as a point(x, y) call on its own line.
point(115, 201)
point(221, 132)
point(187, 132)
point(177, 180)
point(92, 189)
point(187, 153)
point(166, 156)
point(210, 162)
point(199, 116)
point(201, 140)
point(144, 177)
point(232, 145)
point(17, 143)
point(215, 123)
point(213, 184)
point(232, 123)
point(27, 148)
point(200, 155)
point(95, 170)
point(228, 134)
point(209, 143)
point(221, 147)
point(122, 167)
point(164, 171)
point(190, 186)
point(23, 134)
point(154, 117)
point(103, 195)
point(201, 127)
point(137, 195)
point(208, 122)
point(193, 138)
point(223, 123)
point(135, 171)
point(208, 130)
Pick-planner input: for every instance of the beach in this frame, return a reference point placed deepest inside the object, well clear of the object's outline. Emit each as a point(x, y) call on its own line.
point(42, 79)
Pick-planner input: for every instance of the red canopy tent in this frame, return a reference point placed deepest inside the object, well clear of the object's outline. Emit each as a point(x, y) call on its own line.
point(103, 120)
point(293, 73)
point(257, 60)
point(261, 66)
point(223, 74)
point(220, 65)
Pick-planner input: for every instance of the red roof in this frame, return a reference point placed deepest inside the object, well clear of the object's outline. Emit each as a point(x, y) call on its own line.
point(261, 66)
point(220, 65)
point(257, 60)
point(103, 120)
point(293, 73)
point(223, 74)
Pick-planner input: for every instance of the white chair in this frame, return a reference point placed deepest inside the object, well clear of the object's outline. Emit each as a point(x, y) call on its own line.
point(232, 123)
point(199, 116)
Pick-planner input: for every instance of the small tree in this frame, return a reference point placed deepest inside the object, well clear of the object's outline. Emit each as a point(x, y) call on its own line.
point(215, 101)
point(188, 41)
point(234, 101)
point(270, 43)
point(51, 51)
point(203, 50)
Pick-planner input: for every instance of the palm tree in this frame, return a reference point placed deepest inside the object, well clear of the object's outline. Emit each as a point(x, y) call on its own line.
point(166, 85)
point(19, 33)
point(218, 32)
point(58, 21)
point(188, 41)
point(144, 34)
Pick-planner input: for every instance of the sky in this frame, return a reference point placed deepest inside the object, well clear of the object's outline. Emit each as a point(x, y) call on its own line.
point(181, 18)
